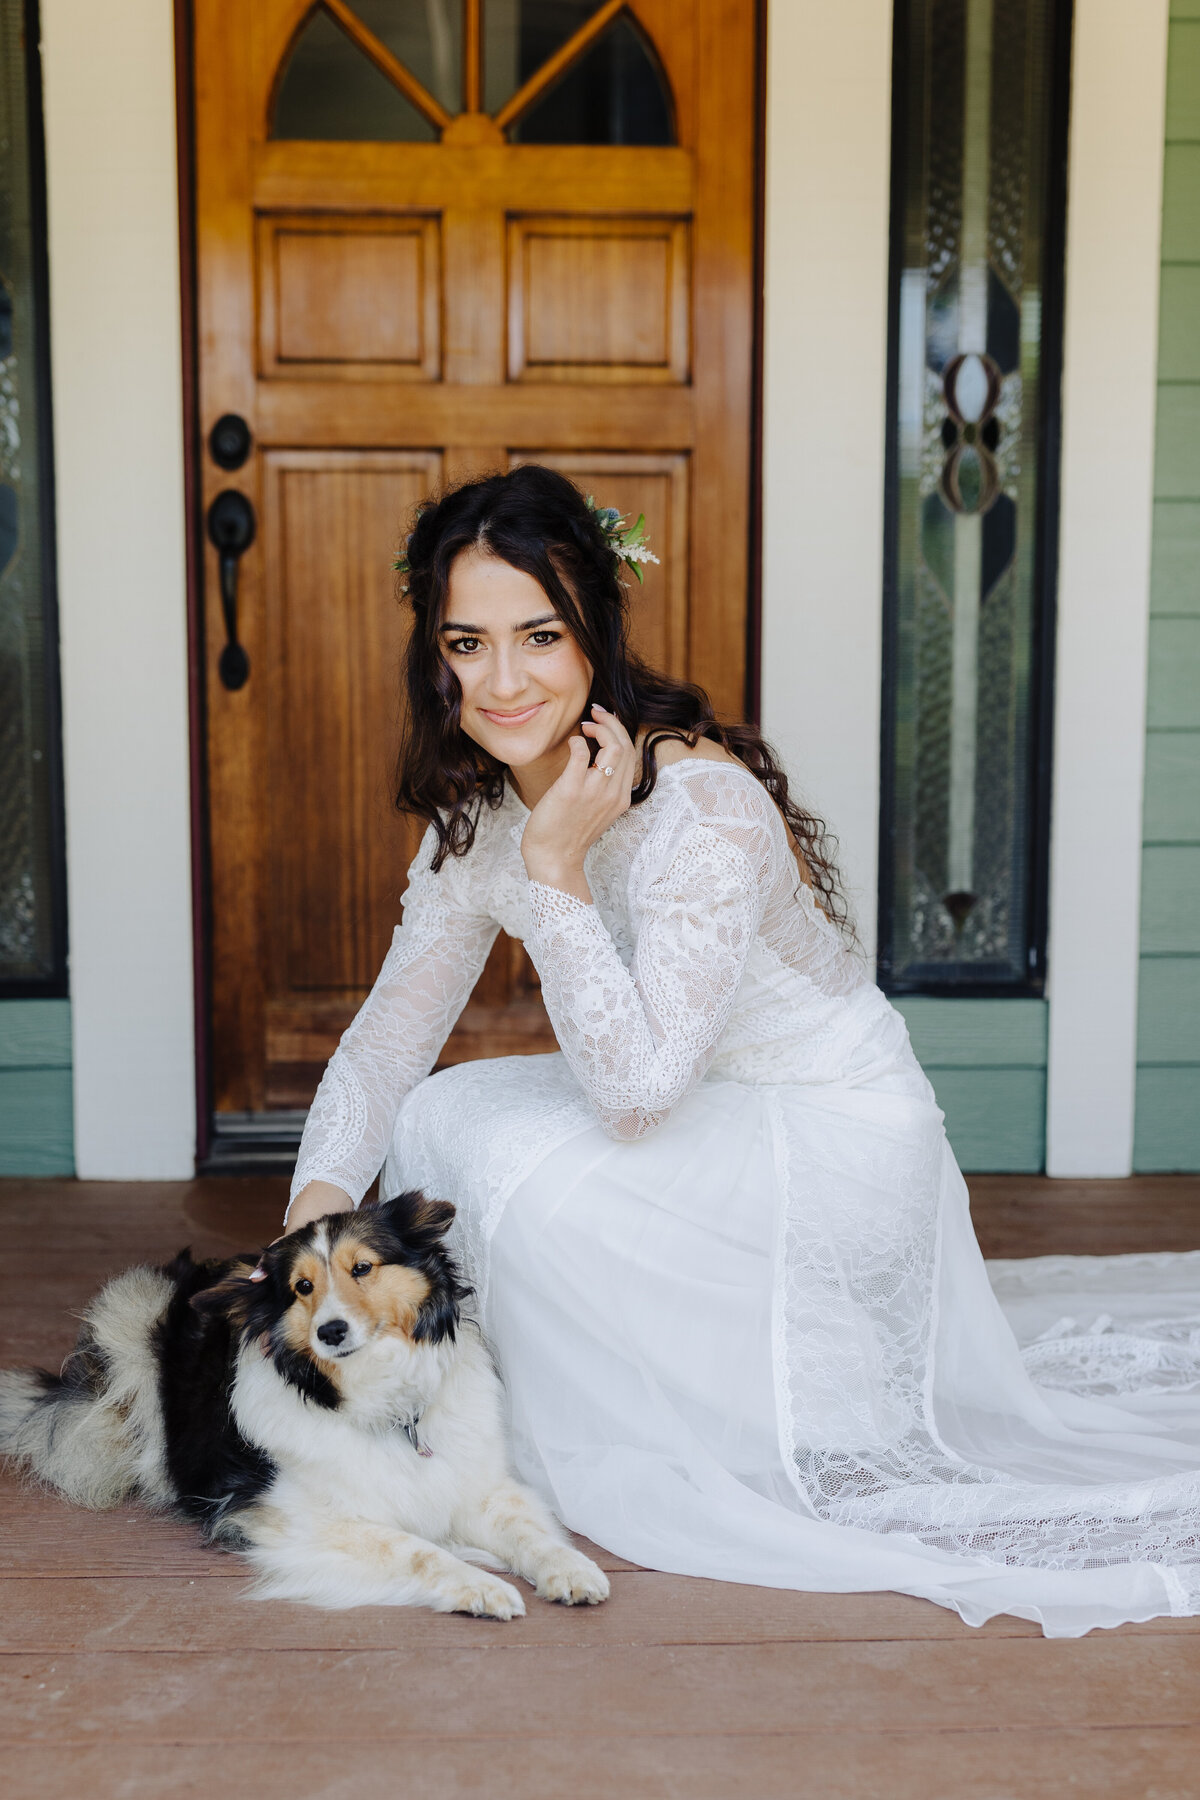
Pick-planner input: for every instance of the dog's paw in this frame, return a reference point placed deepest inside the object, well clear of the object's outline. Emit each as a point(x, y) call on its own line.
point(573, 1579)
point(486, 1597)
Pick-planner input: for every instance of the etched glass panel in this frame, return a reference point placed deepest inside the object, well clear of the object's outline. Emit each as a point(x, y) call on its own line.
point(426, 36)
point(31, 930)
point(972, 455)
point(615, 94)
point(331, 89)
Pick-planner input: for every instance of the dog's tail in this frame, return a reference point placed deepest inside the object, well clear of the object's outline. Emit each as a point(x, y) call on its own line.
point(95, 1430)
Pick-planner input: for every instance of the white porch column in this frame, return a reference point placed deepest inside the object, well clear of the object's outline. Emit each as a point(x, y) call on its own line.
point(1113, 226)
point(117, 387)
point(828, 148)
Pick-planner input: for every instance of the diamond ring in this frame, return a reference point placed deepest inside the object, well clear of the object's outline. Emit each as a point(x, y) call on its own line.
point(606, 771)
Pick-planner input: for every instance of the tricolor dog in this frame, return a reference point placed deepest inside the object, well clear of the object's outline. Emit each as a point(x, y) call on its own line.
point(339, 1422)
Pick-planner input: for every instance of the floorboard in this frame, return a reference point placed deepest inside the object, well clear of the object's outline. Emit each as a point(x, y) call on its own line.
point(132, 1664)
point(160, 1612)
point(745, 1690)
point(589, 1765)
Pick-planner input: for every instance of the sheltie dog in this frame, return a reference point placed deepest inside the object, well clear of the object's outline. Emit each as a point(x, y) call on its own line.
point(339, 1422)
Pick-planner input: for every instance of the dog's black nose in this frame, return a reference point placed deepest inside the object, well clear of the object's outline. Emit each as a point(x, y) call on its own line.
point(332, 1331)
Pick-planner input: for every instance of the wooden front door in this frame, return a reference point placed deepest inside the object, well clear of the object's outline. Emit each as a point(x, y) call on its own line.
point(435, 238)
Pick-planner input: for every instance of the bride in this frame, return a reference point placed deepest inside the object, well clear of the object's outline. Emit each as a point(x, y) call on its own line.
point(720, 1243)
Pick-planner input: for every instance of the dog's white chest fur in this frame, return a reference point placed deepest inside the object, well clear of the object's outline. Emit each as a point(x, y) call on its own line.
point(355, 1514)
point(358, 1459)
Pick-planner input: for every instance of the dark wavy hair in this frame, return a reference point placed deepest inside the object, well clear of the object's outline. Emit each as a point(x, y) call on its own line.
point(536, 520)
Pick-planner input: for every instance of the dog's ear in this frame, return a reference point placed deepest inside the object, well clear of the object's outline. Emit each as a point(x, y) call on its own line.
point(420, 1221)
point(233, 1295)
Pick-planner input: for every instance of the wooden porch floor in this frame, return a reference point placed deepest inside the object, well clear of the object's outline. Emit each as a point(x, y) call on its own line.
point(132, 1668)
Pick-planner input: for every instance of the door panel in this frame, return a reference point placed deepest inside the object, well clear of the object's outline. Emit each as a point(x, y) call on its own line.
point(390, 316)
point(337, 848)
point(348, 298)
point(336, 632)
point(598, 300)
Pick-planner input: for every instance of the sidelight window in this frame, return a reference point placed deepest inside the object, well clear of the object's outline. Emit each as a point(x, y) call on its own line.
point(976, 300)
point(32, 911)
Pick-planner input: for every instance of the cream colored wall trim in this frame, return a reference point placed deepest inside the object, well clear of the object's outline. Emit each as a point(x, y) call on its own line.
point(825, 362)
point(115, 350)
point(1113, 226)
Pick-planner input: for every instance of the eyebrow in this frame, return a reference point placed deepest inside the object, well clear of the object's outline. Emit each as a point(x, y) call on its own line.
point(481, 630)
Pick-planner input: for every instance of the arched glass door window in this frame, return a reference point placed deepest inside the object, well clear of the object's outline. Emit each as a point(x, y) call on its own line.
point(529, 71)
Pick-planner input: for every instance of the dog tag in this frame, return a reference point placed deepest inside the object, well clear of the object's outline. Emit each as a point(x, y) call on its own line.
point(410, 1432)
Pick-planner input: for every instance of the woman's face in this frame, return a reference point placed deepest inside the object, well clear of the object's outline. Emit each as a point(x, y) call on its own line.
point(525, 681)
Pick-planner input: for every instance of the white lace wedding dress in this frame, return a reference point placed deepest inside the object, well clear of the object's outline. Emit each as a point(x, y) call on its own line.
point(723, 1251)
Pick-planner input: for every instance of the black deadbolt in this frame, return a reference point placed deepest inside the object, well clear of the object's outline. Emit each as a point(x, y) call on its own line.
point(229, 441)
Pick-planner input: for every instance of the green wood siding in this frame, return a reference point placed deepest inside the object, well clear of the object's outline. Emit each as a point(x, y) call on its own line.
point(1172, 814)
point(1171, 900)
point(1175, 572)
point(36, 1135)
point(1183, 82)
point(1167, 1125)
point(1181, 196)
point(1173, 698)
point(1169, 1011)
point(1166, 1137)
point(986, 1060)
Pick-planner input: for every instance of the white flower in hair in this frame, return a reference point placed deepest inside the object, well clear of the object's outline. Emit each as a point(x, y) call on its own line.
point(626, 542)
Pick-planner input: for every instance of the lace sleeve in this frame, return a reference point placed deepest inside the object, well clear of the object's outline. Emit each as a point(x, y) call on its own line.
point(639, 1039)
point(435, 959)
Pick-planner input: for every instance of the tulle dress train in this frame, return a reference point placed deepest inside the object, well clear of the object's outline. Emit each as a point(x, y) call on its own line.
point(724, 1255)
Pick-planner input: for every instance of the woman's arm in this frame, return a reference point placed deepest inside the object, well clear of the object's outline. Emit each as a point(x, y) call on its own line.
point(435, 959)
point(639, 1039)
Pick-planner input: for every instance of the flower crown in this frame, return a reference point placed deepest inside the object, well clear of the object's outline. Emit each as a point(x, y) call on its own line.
point(627, 542)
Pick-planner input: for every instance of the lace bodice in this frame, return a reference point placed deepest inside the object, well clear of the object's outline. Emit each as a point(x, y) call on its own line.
point(702, 950)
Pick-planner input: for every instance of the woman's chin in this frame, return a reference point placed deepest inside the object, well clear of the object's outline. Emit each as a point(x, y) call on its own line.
point(519, 749)
point(521, 756)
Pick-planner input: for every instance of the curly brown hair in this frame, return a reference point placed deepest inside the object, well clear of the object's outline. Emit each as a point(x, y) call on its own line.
point(536, 520)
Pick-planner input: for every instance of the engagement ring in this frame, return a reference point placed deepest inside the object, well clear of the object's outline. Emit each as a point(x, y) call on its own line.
point(607, 771)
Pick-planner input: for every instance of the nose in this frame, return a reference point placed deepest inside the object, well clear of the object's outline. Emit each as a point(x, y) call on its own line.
point(332, 1331)
point(507, 678)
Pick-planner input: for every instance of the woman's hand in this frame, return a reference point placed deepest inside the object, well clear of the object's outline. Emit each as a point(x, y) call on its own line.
point(581, 805)
point(312, 1202)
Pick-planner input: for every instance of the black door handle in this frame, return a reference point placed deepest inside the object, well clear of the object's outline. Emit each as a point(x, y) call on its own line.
point(231, 528)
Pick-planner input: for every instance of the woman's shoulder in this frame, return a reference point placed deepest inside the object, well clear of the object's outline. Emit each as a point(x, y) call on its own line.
point(671, 750)
point(713, 778)
point(708, 785)
point(464, 873)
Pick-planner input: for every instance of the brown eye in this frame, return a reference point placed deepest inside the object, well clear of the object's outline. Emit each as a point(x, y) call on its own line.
point(361, 1269)
point(304, 1285)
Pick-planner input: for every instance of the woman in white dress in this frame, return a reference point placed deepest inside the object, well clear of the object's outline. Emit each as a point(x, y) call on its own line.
point(720, 1244)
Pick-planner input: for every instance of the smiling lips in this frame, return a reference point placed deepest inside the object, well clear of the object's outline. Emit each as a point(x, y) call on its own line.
point(512, 718)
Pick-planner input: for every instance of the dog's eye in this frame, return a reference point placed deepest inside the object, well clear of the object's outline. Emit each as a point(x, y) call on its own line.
point(361, 1269)
point(304, 1285)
